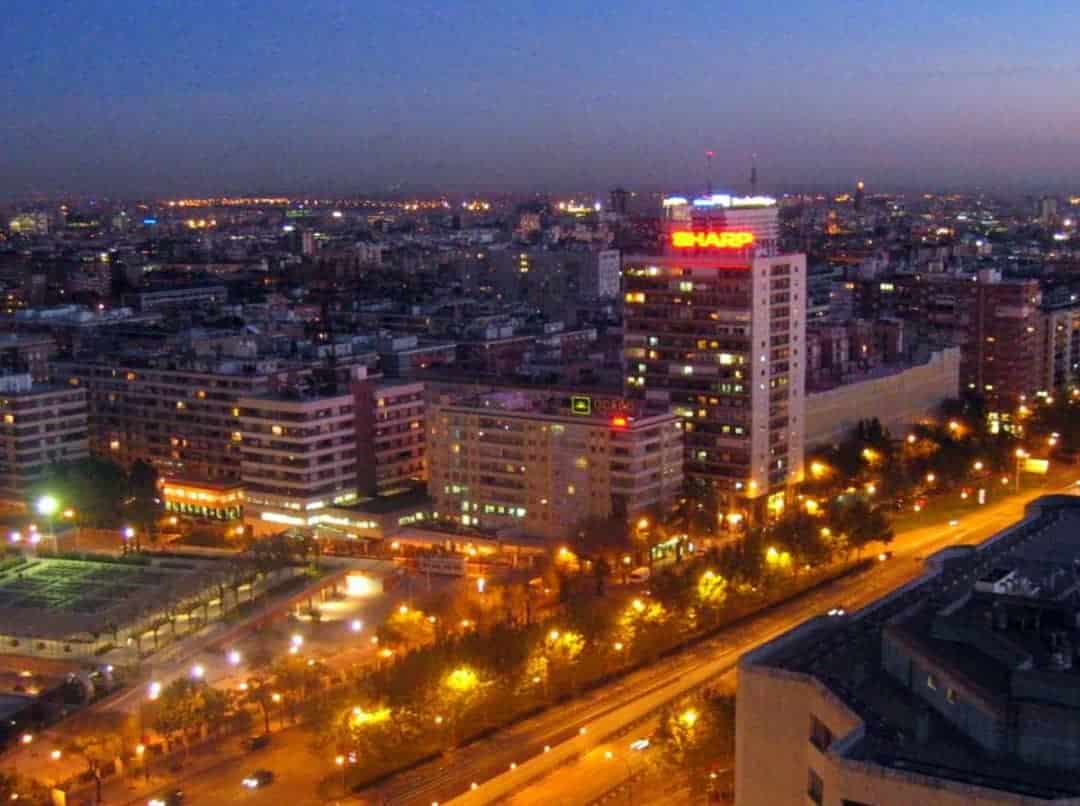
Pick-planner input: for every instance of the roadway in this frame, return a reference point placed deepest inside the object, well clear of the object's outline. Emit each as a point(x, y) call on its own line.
point(585, 773)
point(549, 758)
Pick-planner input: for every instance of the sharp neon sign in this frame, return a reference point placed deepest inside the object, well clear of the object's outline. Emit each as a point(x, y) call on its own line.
point(687, 239)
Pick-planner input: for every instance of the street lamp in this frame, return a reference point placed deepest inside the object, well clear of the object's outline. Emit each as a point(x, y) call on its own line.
point(47, 506)
point(1021, 455)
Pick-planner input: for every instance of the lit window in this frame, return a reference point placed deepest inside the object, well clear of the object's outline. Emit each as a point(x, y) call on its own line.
point(276, 430)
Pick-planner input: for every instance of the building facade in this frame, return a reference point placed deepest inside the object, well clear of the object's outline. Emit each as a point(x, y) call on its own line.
point(896, 397)
point(181, 417)
point(40, 425)
point(539, 464)
point(957, 689)
point(714, 329)
point(305, 450)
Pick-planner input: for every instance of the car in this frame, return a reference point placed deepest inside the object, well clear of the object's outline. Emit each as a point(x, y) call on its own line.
point(954, 522)
point(885, 555)
point(258, 779)
point(174, 798)
point(837, 611)
point(256, 742)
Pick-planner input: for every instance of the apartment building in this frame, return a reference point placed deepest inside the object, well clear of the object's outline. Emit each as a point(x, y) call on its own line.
point(305, 448)
point(531, 463)
point(179, 415)
point(40, 425)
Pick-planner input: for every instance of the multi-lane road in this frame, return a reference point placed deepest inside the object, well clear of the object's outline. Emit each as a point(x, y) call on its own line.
point(550, 758)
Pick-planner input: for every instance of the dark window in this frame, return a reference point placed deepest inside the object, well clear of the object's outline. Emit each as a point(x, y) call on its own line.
point(820, 735)
point(846, 802)
point(815, 787)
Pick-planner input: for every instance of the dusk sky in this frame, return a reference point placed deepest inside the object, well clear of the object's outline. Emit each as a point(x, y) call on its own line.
point(337, 96)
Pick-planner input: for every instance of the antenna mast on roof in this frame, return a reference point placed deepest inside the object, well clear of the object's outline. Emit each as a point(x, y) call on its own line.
point(709, 154)
point(753, 174)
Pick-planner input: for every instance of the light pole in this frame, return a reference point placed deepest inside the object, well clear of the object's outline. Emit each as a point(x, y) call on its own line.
point(1021, 454)
point(47, 505)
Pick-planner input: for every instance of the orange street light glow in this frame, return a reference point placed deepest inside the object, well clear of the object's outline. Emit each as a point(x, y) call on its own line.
point(687, 239)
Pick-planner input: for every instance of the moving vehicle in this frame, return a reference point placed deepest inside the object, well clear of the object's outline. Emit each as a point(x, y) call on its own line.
point(258, 779)
point(174, 798)
point(256, 742)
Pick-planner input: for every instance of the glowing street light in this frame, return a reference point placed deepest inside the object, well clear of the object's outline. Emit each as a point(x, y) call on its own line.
point(27, 738)
point(356, 625)
point(234, 658)
point(689, 717)
point(155, 690)
point(47, 505)
point(198, 671)
point(297, 640)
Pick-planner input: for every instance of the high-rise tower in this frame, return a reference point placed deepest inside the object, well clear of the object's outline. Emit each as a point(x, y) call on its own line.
point(715, 328)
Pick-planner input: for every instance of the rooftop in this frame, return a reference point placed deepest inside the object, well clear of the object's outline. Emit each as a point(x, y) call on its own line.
point(949, 673)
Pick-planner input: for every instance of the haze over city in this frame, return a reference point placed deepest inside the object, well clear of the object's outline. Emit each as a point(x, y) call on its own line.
point(138, 98)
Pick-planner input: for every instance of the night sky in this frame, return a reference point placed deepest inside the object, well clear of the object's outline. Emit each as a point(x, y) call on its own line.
point(329, 96)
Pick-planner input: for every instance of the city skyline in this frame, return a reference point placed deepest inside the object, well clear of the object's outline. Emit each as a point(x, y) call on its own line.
point(199, 98)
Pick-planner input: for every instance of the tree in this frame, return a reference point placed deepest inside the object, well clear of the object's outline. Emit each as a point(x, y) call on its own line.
point(27, 791)
point(144, 504)
point(186, 706)
point(93, 487)
point(259, 693)
point(696, 732)
point(800, 534)
point(406, 627)
point(97, 749)
point(859, 522)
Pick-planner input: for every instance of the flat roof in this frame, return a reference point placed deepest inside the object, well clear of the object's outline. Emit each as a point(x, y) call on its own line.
point(845, 654)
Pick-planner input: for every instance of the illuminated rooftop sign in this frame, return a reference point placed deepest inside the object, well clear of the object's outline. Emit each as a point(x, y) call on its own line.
point(687, 239)
point(726, 200)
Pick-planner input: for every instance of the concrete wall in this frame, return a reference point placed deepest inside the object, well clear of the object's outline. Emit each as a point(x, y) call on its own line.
point(897, 400)
point(773, 752)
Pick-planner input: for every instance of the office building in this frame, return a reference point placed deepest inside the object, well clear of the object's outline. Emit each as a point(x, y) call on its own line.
point(521, 462)
point(959, 689)
point(714, 329)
